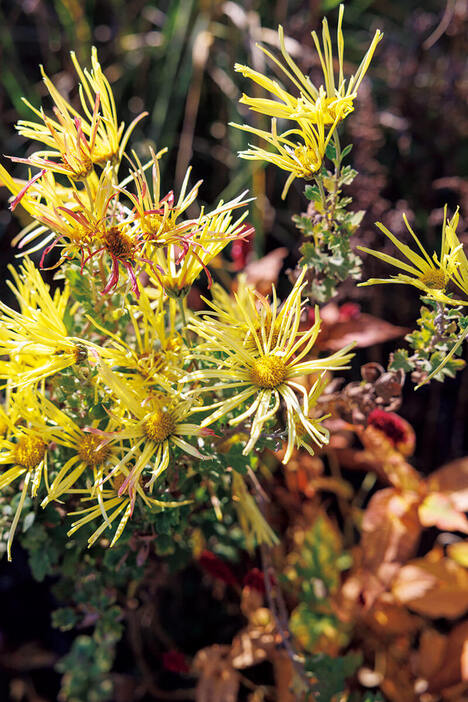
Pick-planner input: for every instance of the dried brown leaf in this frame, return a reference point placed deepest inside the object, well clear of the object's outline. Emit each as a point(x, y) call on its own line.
point(434, 588)
point(364, 329)
point(265, 271)
point(431, 651)
point(438, 509)
point(453, 480)
point(390, 528)
point(452, 667)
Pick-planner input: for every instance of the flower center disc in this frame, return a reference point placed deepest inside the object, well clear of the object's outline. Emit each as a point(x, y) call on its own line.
point(268, 372)
point(434, 279)
point(118, 243)
point(89, 452)
point(29, 451)
point(159, 425)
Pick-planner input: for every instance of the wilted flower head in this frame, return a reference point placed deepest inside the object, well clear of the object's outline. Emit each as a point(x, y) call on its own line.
point(77, 142)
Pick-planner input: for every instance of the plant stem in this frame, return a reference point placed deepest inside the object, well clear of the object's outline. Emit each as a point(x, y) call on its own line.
point(181, 302)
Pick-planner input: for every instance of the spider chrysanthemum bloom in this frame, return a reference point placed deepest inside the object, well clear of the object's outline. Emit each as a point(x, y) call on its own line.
point(87, 225)
point(459, 272)
point(336, 94)
point(315, 110)
point(36, 338)
point(261, 369)
point(177, 266)
point(299, 151)
point(25, 450)
point(76, 143)
point(154, 424)
point(156, 351)
point(310, 432)
point(63, 216)
point(158, 217)
point(91, 454)
point(430, 275)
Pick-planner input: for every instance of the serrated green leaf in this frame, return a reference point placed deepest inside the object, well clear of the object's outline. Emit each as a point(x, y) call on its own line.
point(400, 360)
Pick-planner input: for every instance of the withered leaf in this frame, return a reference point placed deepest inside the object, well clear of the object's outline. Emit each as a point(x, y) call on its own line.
point(434, 588)
point(452, 665)
point(453, 480)
point(265, 271)
point(364, 329)
point(438, 509)
point(390, 528)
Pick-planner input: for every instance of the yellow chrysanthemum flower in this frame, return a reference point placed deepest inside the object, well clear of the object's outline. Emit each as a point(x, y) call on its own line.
point(262, 367)
point(310, 433)
point(459, 272)
point(91, 453)
point(153, 425)
point(316, 110)
point(25, 450)
point(328, 102)
point(36, 338)
point(156, 351)
point(459, 276)
point(430, 275)
point(76, 143)
point(67, 217)
point(158, 217)
point(299, 151)
point(177, 266)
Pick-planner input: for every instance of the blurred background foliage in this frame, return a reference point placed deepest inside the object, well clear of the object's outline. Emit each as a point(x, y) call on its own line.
point(174, 58)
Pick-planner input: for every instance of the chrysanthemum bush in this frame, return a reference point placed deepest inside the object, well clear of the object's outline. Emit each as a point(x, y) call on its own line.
point(137, 432)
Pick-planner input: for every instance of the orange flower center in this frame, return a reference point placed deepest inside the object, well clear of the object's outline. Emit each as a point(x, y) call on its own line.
point(434, 279)
point(159, 425)
point(90, 450)
point(119, 244)
point(29, 451)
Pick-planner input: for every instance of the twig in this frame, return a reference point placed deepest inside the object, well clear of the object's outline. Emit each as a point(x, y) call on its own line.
point(278, 610)
point(276, 602)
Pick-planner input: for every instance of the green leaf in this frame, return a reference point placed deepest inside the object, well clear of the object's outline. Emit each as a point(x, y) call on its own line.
point(400, 359)
point(332, 673)
point(312, 192)
point(346, 151)
point(331, 151)
point(64, 618)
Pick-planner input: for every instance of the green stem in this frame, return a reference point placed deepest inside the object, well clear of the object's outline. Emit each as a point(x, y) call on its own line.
point(337, 164)
point(181, 302)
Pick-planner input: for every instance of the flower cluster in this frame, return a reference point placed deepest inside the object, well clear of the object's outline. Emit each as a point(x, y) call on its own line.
point(313, 114)
point(109, 400)
point(78, 203)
